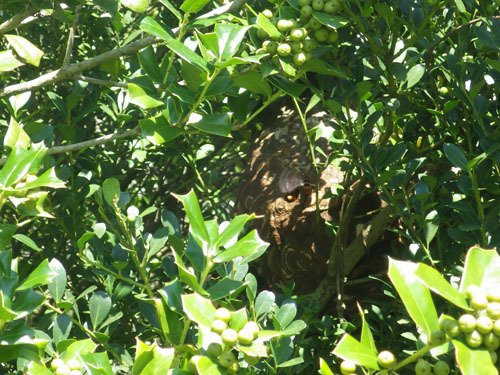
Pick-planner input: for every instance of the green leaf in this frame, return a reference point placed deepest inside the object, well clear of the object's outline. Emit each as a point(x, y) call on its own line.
point(333, 22)
point(231, 231)
point(111, 191)
point(161, 361)
point(47, 179)
point(436, 282)
point(24, 48)
point(58, 285)
point(366, 334)
point(157, 130)
point(139, 6)
point(6, 233)
point(151, 26)
point(172, 8)
point(252, 81)
point(193, 212)
point(20, 163)
point(268, 26)
point(16, 136)
point(224, 288)
point(229, 37)
point(149, 63)
point(193, 6)
point(246, 247)
point(98, 361)
point(455, 156)
point(171, 294)
point(431, 226)
point(41, 275)
point(324, 368)
point(215, 123)
point(415, 74)
point(294, 328)
point(27, 241)
point(264, 302)
point(99, 306)
point(349, 348)
point(8, 62)
point(414, 294)
point(473, 361)
point(139, 97)
point(36, 369)
point(61, 328)
point(291, 88)
point(481, 268)
point(198, 309)
point(78, 347)
point(286, 314)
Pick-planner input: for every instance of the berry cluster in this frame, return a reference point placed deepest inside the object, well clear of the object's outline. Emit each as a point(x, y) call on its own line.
point(70, 367)
point(299, 37)
point(230, 337)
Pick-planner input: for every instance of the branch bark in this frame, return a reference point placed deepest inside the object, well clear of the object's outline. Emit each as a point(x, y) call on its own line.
point(16, 20)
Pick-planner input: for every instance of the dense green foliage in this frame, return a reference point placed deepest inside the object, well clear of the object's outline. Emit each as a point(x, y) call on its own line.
point(125, 126)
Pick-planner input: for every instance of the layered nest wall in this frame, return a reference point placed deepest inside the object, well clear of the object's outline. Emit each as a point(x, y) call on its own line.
point(281, 185)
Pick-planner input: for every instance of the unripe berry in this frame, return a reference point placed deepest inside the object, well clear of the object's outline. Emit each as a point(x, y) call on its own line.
point(74, 364)
point(245, 336)
point(252, 327)
point(347, 367)
point(441, 368)
point(284, 25)
point(422, 367)
point(229, 337)
point(56, 363)
point(491, 341)
point(467, 323)
point(306, 11)
point(296, 47)
point(315, 24)
point(270, 46)
point(218, 326)
point(309, 45)
point(268, 13)
point(443, 90)
point(321, 35)
point(484, 324)
point(493, 310)
point(223, 314)
point(75, 372)
point(214, 349)
point(331, 7)
point(493, 295)
point(132, 213)
point(494, 357)
point(333, 36)
point(436, 338)
point(251, 360)
point(63, 370)
point(318, 5)
point(233, 369)
point(299, 58)
point(284, 49)
point(386, 359)
point(226, 359)
point(474, 339)
point(473, 289)
point(297, 34)
point(496, 327)
point(479, 302)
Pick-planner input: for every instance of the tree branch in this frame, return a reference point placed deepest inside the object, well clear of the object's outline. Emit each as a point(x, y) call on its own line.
point(72, 69)
point(16, 20)
point(71, 37)
point(90, 143)
point(101, 82)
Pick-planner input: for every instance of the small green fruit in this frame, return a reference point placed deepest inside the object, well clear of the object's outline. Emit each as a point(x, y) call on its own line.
point(214, 349)
point(297, 35)
point(321, 35)
point(333, 36)
point(479, 302)
point(267, 13)
point(318, 5)
point(75, 372)
point(245, 336)
point(229, 337)
point(493, 295)
point(386, 359)
point(451, 328)
point(347, 367)
point(491, 341)
point(474, 339)
point(218, 326)
point(306, 11)
point(484, 324)
point(296, 47)
point(56, 363)
point(222, 313)
point(139, 6)
point(253, 327)
point(467, 323)
point(331, 7)
point(494, 357)
point(422, 367)
point(299, 58)
point(270, 46)
point(74, 364)
point(493, 310)
point(63, 370)
point(284, 25)
point(496, 327)
point(284, 49)
point(314, 24)
point(437, 338)
point(132, 213)
point(233, 369)
point(441, 368)
point(251, 360)
point(309, 45)
point(443, 90)
point(226, 359)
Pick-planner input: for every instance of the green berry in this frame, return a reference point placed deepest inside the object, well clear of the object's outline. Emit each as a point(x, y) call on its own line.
point(306, 11)
point(386, 359)
point(284, 49)
point(494, 357)
point(270, 46)
point(479, 301)
point(493, 295)
point(268, 13)
point(484, 324)
point(226, 359)
point(229, 337)
point(261, 34)
point(314, 24)
point(251, 360)
point(63, 370)
point(309, 45)
point(75, 372)
point(422, 367)
point(437, 338)
point(214, 349)
point(74, 364)
point(441, 368)
point(451, 328)
point(132, 213)
point(347, 367)
point(493, 310)
point(253, 327)
point(467, 323)
point(191, 366)
point(296, 47)
point(474, 339)
point(284, 25)
point(333, 36)
point(491, 341)
point(321, 35)
point(318, 5)
point(222, 313)
point(443, 90)
point(496, 327)
point(218, 326)
point(56, 362)
point(331, 7)
point(299, 58)
point(473, 289)
point(245, 336)
point(297, 35)
point(233, 369)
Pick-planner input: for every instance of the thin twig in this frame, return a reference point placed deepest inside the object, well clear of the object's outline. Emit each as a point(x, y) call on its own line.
point(101, 82)
point(71, 37)
point(16, 20)
point(90, 143)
